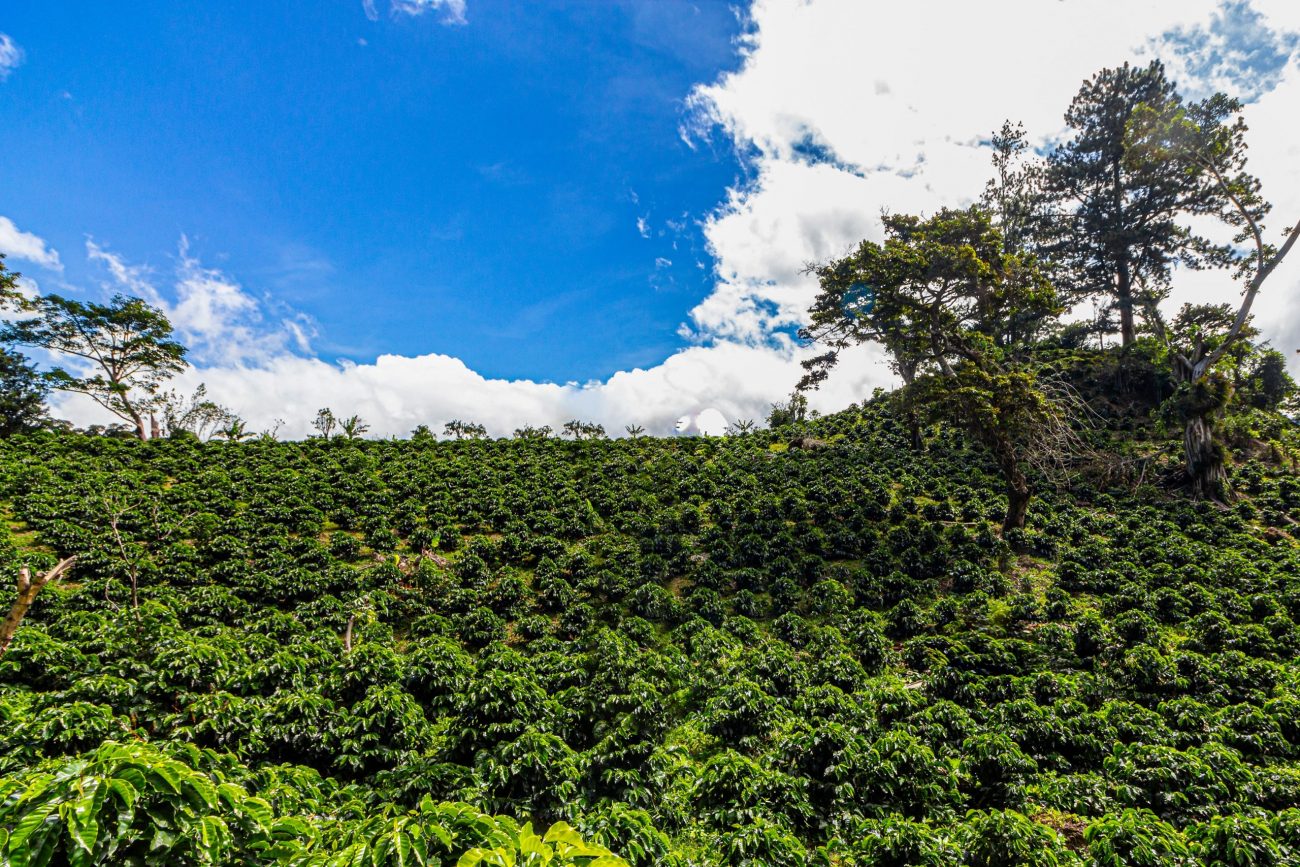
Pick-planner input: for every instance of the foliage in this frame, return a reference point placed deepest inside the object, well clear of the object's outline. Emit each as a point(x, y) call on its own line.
point(808, 645)
point(126, 344)
point(1121, 232)
point(22, 394)
point(138, 804)
point(696, 651)
point(954, 308)
point(462, 430)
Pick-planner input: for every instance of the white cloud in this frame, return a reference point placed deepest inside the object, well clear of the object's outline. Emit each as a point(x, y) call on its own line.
point(131, 279)
point(396, 393)
point(453, 10)
point(220, 322)
point(11, 56)
point(1238, 52)
point(842, 112)
point(26, 246)
point(261, 367)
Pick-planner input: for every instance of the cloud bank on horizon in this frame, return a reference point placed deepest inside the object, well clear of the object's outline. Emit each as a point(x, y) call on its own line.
point(838, 115)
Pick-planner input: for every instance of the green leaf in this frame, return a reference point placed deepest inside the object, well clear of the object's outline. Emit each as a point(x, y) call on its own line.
point(490, 857)
point(168, 773)
point(563, 832)
point(291, 826)
point(259, 811)
point(83, 820)
point(213, 836)
point(30, 830)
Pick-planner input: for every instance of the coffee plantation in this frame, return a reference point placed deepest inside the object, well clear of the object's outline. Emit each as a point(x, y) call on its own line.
point(645, 651)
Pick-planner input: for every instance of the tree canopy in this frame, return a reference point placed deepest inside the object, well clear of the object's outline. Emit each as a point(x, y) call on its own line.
point(125, 347)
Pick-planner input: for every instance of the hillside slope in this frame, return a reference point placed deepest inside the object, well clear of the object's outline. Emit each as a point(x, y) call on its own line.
point(696, 650)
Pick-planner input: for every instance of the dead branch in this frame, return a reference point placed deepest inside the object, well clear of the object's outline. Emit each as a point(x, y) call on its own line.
point(28, 588)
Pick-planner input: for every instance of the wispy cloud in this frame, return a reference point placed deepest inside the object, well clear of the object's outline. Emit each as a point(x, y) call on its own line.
point(215, 316)
point(453, 11)
point(11, 56)
point(26, 246)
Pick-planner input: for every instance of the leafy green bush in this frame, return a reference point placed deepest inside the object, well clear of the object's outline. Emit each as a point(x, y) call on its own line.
point(137, 804)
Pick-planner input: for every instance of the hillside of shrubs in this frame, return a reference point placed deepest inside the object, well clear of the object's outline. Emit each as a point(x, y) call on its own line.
point(797, 646)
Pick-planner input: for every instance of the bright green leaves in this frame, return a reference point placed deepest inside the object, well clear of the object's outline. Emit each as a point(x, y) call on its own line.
point(1135, 837)
point(943, 289)
point(561, 846)
point(134, 803)
point(122, 802)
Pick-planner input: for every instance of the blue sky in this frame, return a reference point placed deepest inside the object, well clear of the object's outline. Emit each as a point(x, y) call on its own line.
point(526, 212)
point(412, 185)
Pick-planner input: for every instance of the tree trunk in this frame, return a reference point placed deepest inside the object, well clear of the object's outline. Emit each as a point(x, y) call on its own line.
point(1017, 502)
point(28, 587)
point(1124, 300)
point(907, 370)
point(914, 431)
point(1205, 469)
point(1206, 474)
point(155, 431)
point(1017, 487)
point(1123, 274)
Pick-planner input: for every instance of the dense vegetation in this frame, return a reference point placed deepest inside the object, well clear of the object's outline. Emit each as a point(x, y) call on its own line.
point(692, 651)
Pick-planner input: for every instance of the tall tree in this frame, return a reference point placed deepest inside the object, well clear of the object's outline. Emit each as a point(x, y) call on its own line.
point(464, 430)
point(126, 345)
point(1206, 142)
point(353, 427)
point(583, 430)
point(1015, 195)
point(950, 304)
point(530, 432)
point(1119, 231)
point(22, 394)
point(22, 391)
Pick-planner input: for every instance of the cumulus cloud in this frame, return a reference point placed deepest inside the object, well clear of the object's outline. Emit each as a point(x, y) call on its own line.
point(839, 111)
point(18, 244)
point(11, 56)
point(260, 364)
point(396, 393)
point(842, 112)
